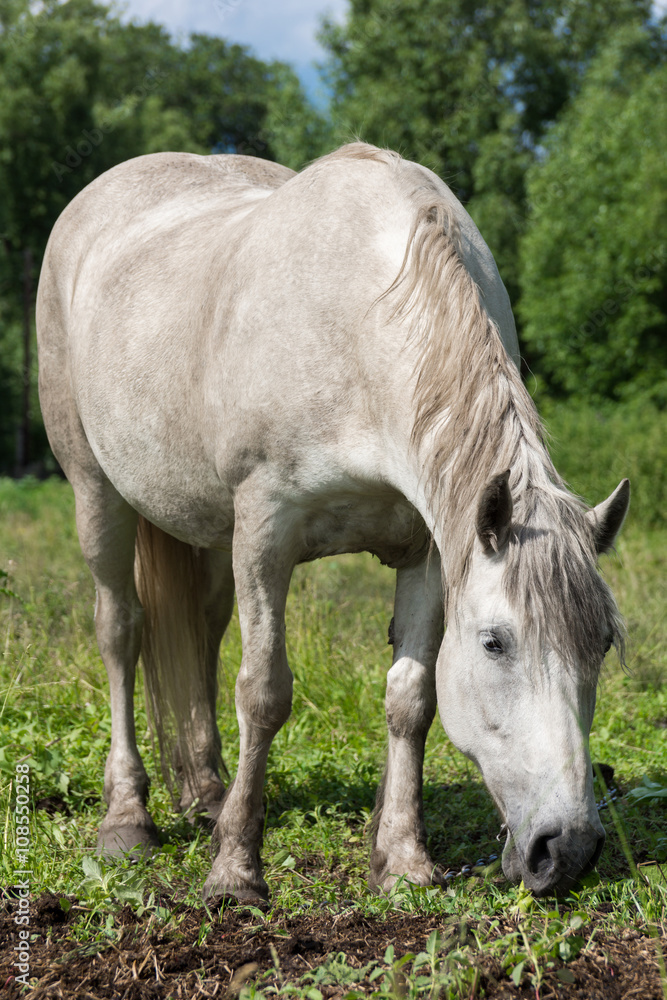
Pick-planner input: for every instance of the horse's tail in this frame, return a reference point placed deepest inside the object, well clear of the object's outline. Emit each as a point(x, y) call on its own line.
point(171, 577)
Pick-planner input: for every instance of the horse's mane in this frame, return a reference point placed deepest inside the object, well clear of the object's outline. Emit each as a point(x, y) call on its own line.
point(473, 419)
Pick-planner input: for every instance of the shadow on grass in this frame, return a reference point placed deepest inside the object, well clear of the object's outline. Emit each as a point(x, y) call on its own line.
point(460, 817)
point(461, 820)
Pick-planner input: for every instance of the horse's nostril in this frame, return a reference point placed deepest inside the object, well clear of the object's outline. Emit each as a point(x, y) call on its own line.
point(554, 861)
point(540, 860)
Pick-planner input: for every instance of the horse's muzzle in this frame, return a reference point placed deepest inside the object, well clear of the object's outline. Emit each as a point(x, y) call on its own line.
point(552, 861)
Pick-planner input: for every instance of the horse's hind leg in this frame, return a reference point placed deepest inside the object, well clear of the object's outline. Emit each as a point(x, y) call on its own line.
point(399, 841)
point(263, 566)
point(205, 795)
point(107, 527)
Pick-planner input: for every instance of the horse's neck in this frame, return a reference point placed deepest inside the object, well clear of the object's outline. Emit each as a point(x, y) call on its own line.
point(449, 475)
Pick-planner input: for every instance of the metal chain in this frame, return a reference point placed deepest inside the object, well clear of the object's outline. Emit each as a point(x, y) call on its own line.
point(612, 795)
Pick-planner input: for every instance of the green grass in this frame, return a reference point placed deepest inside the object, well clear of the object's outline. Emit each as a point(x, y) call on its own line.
point(324, 765)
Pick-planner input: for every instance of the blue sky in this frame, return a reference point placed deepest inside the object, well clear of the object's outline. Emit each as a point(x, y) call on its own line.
point(275, 29)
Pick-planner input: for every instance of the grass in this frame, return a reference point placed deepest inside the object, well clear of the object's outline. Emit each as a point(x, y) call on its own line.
point(323, 768)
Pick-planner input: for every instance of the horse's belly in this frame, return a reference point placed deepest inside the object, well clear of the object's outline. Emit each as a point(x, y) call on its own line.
point(178, 486)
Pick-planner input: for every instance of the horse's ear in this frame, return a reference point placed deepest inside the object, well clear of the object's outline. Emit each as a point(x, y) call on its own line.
point(494, 513)
point(607, 518)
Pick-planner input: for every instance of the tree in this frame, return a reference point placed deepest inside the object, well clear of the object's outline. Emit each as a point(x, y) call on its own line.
point(81, 92)
point(594, 256)
point(61, 124)
point(467, 88)
point(236, 103)
point(233, 102)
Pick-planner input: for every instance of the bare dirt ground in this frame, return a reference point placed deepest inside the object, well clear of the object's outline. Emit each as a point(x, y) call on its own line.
point(148, 961)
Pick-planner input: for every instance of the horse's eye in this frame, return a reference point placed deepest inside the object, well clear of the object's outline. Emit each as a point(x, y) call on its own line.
point(608, 645)
point(492, 644)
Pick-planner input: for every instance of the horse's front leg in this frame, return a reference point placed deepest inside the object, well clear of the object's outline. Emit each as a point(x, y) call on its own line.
point(262, 570)
point(399, 837)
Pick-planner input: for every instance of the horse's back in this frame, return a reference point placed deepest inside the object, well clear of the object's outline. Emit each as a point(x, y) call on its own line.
point(198, 315)
point(132, 234)
point(147, 195)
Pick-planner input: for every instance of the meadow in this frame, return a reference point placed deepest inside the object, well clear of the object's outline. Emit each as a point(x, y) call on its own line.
point(477, 937)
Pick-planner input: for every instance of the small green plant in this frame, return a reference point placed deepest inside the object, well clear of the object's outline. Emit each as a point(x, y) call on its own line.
point(110, 888)
point(323, 771)
point(104, 887)
point(539, 943)
point(4, 589)
point(648, 791)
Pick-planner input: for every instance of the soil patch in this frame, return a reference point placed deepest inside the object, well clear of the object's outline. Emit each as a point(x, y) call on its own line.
point(180, 960)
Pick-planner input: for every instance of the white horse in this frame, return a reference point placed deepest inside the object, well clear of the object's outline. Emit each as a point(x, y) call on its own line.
point(243, 368)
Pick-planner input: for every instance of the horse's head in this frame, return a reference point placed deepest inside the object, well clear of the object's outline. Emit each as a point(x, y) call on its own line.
point(517, 673)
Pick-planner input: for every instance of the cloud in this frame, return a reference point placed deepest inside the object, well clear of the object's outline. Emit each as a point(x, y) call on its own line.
point(283, 31)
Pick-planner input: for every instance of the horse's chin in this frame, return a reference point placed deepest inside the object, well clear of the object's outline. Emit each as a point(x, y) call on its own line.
point(512, 868)
point(551, 880)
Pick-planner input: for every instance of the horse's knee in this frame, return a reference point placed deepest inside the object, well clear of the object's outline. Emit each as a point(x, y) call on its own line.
point(264, 697)
point(410, 700)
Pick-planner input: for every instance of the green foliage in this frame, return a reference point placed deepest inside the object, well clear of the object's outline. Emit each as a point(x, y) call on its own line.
point(648, 790)
point(59, 105)
point(327, 759)
point(103, 887)
point(594, 447)
point(72, 74)
point(594, 256)
point(82, 92)
point(5, 591)
point(236, 103)
point(467, 89)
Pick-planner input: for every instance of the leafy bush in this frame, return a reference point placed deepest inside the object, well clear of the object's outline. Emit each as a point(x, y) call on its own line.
point(594, 447)
point(593, 257)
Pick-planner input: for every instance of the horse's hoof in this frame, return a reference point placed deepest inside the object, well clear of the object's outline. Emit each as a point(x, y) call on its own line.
point(216, 895)
point(135, 842)
point(382, 883)
point(239, 897)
